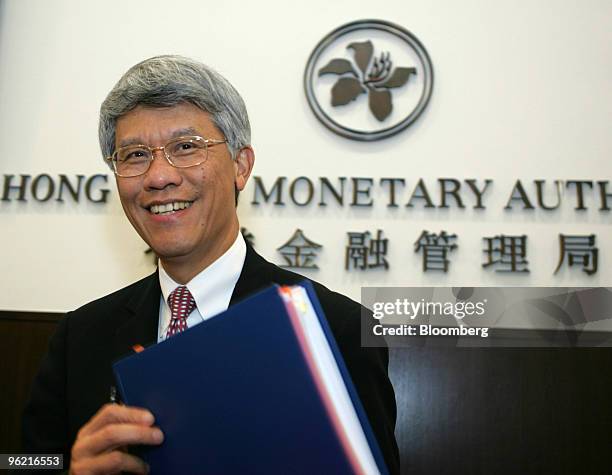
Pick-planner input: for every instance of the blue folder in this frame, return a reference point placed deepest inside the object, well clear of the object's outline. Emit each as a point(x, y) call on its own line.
point(235, 395)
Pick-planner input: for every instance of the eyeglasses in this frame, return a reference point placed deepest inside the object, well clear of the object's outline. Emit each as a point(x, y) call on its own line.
point(182, 152)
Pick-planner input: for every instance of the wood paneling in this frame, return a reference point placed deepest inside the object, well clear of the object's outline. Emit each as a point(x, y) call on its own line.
point(24, 337)
point(484, 410)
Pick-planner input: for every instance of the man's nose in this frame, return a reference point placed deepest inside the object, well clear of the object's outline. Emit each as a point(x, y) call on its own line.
point(161, 173)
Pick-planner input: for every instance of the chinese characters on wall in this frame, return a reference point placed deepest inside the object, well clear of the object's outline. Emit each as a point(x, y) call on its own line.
point(501, 253)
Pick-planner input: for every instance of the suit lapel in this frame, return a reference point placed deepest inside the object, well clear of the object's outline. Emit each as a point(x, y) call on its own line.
point(255, 275)
point(140, 328)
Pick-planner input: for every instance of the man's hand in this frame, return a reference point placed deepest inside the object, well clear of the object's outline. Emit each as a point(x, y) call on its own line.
point(100, 444)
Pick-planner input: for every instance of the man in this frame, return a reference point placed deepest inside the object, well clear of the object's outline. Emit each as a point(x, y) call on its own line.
point(177, 136)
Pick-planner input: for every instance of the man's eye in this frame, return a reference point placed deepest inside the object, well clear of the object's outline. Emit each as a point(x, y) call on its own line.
point(131, 155)
point(183, 146)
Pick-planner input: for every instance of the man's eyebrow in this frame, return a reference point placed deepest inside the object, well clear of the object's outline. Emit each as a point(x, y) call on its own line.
point(186, 131)
point(130, 141)
point(176, 133)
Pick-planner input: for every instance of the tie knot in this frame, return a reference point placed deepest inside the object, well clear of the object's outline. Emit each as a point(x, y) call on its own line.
point(181, 304)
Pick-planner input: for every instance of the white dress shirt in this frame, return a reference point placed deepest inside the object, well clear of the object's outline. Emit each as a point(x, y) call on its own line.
point(212, 288)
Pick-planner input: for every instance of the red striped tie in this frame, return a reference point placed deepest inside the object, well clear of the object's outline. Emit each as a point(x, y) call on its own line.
point(181, 305)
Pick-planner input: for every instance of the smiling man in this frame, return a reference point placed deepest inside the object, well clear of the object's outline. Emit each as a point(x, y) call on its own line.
point(182, 213)
point(177, 136)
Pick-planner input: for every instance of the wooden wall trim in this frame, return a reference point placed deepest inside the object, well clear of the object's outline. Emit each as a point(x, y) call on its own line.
point(27, 316)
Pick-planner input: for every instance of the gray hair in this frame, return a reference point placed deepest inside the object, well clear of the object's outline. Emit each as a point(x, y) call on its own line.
point(164, 81)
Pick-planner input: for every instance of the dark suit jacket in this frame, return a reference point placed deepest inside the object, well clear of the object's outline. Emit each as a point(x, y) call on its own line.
point(75, 377)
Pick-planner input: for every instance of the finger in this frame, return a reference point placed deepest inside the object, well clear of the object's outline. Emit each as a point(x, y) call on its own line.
point(111, 462)
point(113, 413)
point(113, 436)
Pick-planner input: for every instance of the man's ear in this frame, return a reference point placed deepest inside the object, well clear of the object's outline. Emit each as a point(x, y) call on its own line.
point(245, 159)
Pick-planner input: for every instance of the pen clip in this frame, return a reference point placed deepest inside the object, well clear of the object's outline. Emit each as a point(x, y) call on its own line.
point(113, 395)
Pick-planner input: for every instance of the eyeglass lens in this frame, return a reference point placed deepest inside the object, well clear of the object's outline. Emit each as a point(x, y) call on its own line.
point(183, 152)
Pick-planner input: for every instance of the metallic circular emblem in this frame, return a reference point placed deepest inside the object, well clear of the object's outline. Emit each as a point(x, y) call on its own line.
point(368, 80)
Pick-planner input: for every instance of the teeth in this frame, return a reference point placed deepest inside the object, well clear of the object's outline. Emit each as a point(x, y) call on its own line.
point(170, 207)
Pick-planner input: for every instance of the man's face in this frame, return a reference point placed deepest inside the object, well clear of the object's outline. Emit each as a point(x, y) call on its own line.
point(202, 231)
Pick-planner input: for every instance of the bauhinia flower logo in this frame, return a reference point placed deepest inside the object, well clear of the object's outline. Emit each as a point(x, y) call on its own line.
point(396, 96)
point(374, 76)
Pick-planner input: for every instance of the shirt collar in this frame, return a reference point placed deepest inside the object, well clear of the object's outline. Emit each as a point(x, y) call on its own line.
point(213, 287)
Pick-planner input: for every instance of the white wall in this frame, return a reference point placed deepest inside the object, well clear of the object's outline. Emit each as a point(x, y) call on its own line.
point(522, 90)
